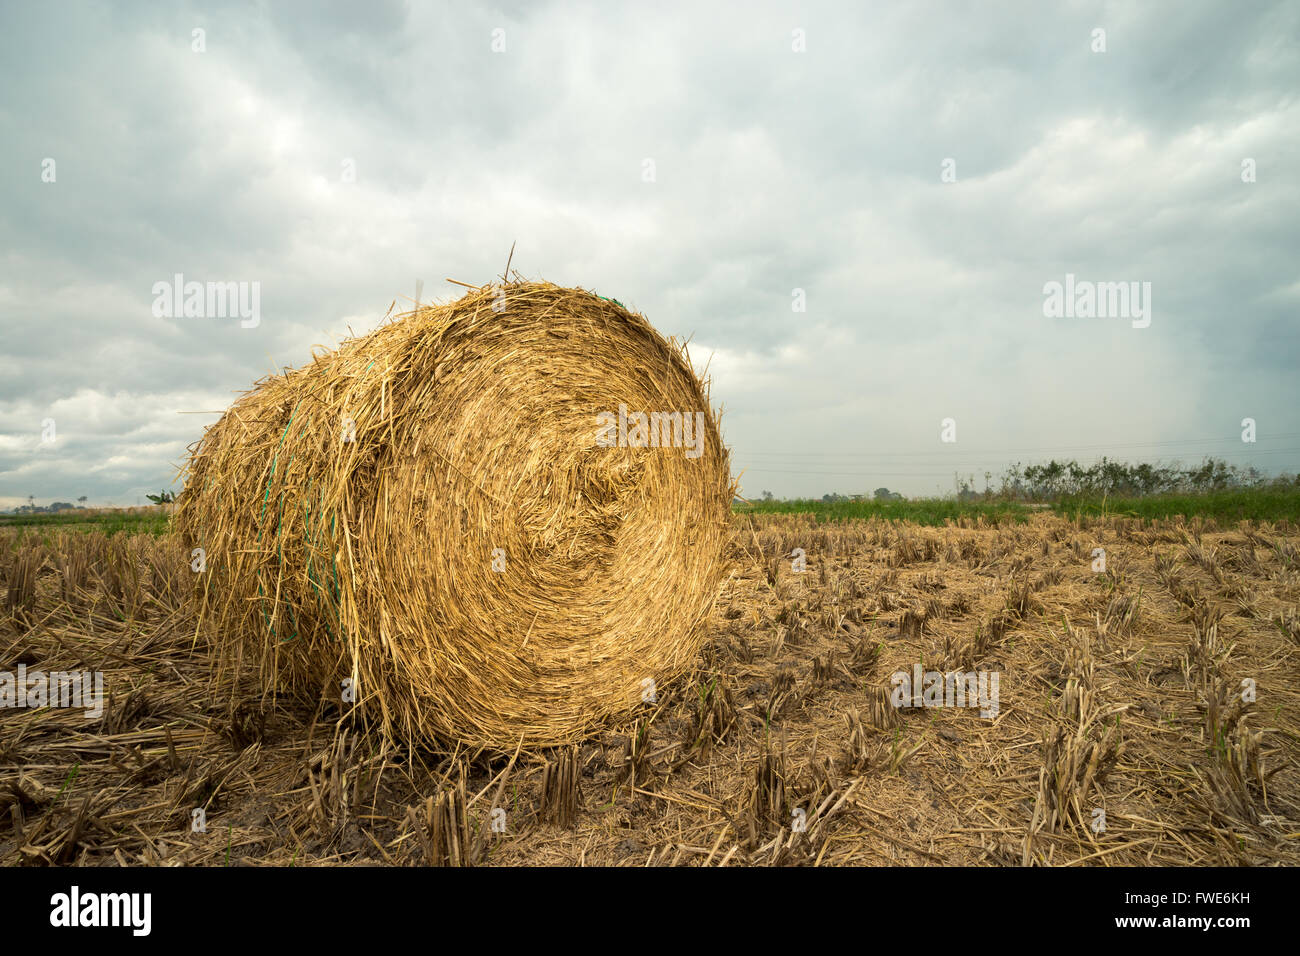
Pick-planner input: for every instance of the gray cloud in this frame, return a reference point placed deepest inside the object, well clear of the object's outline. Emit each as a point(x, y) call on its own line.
point(775, 170)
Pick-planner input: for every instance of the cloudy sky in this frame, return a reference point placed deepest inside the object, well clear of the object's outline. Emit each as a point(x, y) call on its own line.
point(852, 213)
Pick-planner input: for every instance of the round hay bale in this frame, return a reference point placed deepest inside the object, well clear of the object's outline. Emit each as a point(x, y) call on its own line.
point(449, 521)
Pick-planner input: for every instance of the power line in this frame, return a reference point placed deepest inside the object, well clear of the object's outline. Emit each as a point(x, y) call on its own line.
point(1021, 451)
point(947, 468)
point(868, 472)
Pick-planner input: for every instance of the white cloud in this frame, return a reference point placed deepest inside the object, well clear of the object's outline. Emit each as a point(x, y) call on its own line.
point(775, 170)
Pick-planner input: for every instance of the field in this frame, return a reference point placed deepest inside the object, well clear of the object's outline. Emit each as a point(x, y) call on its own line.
point(151, 519)
point(1228, 505)
point(1119, 736)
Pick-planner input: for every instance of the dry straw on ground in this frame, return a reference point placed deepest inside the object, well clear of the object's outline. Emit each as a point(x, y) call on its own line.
point(1112, 699)
point(426, 514)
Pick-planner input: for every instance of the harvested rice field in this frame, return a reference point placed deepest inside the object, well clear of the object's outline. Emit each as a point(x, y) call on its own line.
point(1133, 705)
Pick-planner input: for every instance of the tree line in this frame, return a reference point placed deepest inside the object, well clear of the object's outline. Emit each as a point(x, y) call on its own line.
point(1060, 479)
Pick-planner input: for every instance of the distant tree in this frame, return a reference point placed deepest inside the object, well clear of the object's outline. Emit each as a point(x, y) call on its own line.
point(82, 499)
point(767, 496)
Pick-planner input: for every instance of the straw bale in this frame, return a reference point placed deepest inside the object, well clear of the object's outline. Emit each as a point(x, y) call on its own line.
point(430, 520)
